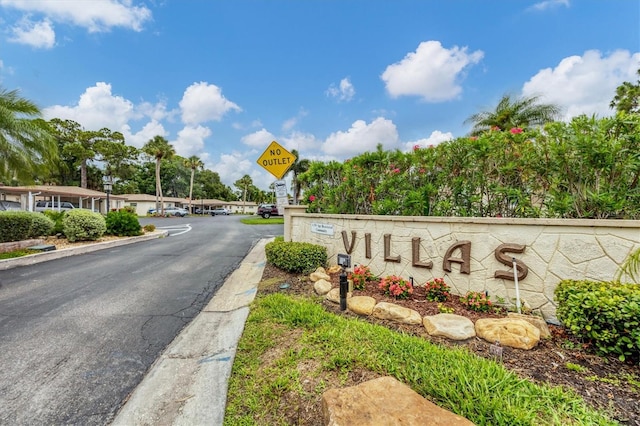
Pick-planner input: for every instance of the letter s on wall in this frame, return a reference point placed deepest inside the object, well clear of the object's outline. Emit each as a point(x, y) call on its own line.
point(503, 258)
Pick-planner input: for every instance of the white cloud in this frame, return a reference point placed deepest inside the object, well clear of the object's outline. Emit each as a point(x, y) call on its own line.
point(431, 72)
point(548, 4)
point(204, 102)
point(291, 123)
point(98, 16)
point(435, 138)
point(97, 108)
point(149, 131)
point(300, 142)
point(344, 92)
point(363, 137)
point(35, 34)
point(584, 84)
point(232, 167)
point(260, 139)
point(157, 111)
point(191, 140)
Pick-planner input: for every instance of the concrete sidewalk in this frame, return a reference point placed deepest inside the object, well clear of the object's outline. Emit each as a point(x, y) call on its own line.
point(187, 385)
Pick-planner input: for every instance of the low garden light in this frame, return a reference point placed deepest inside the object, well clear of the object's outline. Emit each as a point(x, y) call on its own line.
point(344, 261)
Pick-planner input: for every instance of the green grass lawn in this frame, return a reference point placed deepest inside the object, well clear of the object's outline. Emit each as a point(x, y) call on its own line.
point(257, 220)
point(292, 350)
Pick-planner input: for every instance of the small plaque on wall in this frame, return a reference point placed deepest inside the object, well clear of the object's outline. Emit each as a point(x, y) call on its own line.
point(322, 228)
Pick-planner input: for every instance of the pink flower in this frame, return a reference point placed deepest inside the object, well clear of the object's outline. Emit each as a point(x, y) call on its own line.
point(474, 138)
point(516, 131)
point(312, 198)
point(422, 171)
point(396, 170)
point(495, 128)
point(416, 147)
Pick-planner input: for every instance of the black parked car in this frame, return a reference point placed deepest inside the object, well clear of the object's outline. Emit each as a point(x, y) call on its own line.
point(268, 210)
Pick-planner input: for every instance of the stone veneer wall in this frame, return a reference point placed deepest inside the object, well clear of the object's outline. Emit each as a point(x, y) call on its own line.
point(555, 249)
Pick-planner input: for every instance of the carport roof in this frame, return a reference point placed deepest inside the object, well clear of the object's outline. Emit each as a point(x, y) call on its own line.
point(50, 190)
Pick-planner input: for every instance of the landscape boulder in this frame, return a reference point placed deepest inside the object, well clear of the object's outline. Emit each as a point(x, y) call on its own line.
point(538, 322)
point(512, 332)
point(322, 287)
point(393, 312)
point(384, 401)
point(319, 274)
point(361, 305)
point(451, 326)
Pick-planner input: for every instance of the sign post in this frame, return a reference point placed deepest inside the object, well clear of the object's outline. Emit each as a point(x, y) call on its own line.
point(277, 161)
point(281, 195)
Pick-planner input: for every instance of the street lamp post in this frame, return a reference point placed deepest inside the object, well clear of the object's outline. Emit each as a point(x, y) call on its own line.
point(108, 186)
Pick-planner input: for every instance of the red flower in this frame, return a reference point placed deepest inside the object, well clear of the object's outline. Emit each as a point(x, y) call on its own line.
point(312, 198)
point(516, 131)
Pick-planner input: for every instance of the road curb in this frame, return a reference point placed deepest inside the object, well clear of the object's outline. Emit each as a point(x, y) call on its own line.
point(32, 259)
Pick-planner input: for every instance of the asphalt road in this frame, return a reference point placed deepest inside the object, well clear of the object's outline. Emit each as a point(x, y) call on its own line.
point(78, 334)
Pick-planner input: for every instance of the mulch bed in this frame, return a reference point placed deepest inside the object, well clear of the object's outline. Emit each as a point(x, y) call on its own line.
point(605, 383)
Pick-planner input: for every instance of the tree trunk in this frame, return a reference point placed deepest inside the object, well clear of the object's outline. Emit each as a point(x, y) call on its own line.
point(159, 207)
point(83, 174)
point(193, 171)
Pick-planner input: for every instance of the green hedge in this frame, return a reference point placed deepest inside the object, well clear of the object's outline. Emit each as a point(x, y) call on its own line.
point(605, 313)
point(41, 225)
point(20, 225)
point(83, 225)
point(123, 223)
point(296, 256)
point(57, 217)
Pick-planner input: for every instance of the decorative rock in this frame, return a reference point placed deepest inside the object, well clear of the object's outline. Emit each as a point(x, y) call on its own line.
point(390, 311)
point(515, 333)
point(334, 269)
point(361, 305)
point(334, 295)
point(384, 401)
point(537, 322)
point(451, 326)
point(322, 287)
point(319, 274)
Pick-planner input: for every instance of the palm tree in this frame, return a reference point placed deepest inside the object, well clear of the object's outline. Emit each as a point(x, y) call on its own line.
point(160, 149)
point(627, 98)
point(509, 113)
point(298, 167)
point(25, 140)
point(193, 163)
point(244, 183)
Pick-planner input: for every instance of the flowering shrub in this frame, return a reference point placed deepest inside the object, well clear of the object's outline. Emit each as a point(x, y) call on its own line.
point(396, 286)
point(437, 290)
point(476, 301)
point(361, 275)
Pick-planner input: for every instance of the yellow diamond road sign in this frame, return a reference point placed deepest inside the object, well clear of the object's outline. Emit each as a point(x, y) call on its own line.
point(276, 160)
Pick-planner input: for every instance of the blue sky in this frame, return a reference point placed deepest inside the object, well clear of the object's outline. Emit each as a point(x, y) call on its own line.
point(332, 79)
